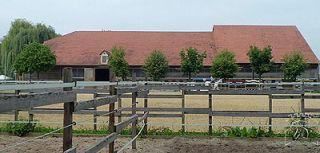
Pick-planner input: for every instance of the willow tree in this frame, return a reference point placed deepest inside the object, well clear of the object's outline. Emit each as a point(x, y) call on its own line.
point(22, 32)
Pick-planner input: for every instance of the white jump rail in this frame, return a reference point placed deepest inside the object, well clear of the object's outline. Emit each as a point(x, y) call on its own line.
point(25, 85)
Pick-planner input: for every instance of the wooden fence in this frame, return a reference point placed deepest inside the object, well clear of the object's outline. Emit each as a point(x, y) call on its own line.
point(117, 92)
point(68, 98)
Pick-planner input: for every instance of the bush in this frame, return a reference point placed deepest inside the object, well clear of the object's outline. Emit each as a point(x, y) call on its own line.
point(20, 129)
point(244, 132)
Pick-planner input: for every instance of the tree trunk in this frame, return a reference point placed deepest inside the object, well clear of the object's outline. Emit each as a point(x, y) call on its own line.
point(38, 76)
point(260, 78)
point(30, 77)
point(189, 76)
point(252, 74)
point(260, 81)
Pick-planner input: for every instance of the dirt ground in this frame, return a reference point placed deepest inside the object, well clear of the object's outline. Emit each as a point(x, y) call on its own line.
point(220, 103)
point(167, 145)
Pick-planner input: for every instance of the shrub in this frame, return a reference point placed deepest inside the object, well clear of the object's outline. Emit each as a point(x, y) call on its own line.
point(20, 128)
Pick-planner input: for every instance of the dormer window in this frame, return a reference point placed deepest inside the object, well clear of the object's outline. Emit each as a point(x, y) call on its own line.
point(104, 57)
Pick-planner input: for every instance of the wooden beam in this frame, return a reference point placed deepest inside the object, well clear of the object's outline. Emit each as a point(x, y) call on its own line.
point(155, 115)
point(161, 87)
point(270, 111)
point(34, 100)
point(186, 110)
point(123, 124)
point(312, 110)
point(241, 113)
point(102, 143)
point(35, 86)
point(145, 105)
point(68, 110)
point(183, 117)
point(196, 92)
point(95, 102)
point(71, 150)
point(253, 92)
point(123, 90)
point(210, 117)
point(141, 94)
point(111, 127)
point(145, 115)
point(134, 122)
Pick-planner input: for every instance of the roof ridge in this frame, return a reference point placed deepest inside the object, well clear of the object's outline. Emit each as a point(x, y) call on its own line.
point(143, 31)
point(253, 25)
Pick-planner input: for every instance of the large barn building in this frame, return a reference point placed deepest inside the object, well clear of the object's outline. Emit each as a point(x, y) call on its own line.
point(87, 51)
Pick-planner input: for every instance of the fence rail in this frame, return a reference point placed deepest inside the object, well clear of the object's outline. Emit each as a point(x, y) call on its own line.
point(12, 103)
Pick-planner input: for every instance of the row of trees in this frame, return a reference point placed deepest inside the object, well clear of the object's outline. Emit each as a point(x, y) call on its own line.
point(21, 33)
point(223, 65)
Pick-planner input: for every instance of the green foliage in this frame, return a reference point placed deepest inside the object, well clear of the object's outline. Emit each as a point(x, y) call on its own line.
point(224, 65)
point(156, 65)
point(20, 129)
point(34, 57)
point(118, 63)
point(294, 64)
point(251, 132)
point(191, 61)
point(260, 59)
point(22, 32)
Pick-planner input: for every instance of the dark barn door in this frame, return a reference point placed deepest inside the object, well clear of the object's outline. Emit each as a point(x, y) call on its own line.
point(102, 75)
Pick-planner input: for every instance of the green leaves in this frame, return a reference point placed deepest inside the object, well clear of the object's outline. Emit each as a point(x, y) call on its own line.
point(117, 62)
point(191, 61)
point(20, 129)
point(156, 65)
point(35, 57)
point(294, 64)
point(260, 59)
point(21, 33)
point(224, 65)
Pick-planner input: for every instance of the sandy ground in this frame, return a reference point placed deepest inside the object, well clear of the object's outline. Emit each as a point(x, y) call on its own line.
point(226, 103)
point(166, 145)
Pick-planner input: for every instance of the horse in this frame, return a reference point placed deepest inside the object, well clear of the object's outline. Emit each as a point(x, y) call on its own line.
point(216, 84)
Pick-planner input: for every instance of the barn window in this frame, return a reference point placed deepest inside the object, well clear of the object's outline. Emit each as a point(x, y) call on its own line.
point(78, 74)
point(104, 58)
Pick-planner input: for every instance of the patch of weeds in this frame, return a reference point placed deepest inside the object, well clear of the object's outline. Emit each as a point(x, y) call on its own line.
point(21, 128)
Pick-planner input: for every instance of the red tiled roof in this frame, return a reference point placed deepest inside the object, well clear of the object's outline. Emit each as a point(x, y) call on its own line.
point(84, 47)
point(283, 39)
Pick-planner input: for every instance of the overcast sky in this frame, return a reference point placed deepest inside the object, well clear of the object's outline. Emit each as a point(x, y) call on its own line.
point(164, 15)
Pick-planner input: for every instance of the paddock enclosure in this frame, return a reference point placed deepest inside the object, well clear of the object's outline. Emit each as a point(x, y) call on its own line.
point(176, 105)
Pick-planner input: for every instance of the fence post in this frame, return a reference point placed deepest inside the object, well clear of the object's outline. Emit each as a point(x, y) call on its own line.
point(16, 112)
point(119, 106)
point(112, 117)
point(16, 115)
point(302, 98)
point(145, 105)
point(210, 117)
point(270, 112)
point(95, 115)
point(30, 117)
point(134, 123)
point(68, 110)
point(183, 119)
